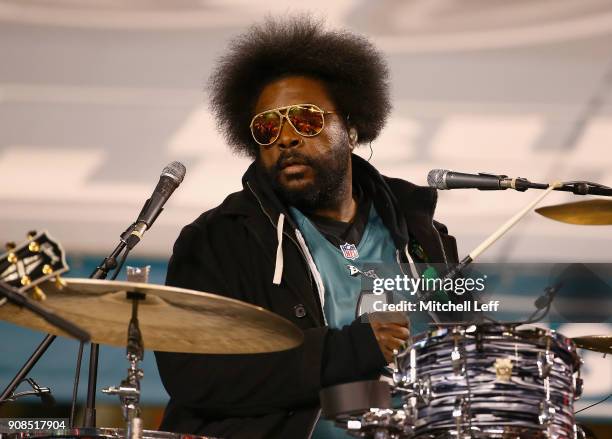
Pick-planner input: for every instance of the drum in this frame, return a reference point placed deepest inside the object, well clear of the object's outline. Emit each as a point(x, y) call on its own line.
point(363, 409)
point(491, 381)
point(100, 433)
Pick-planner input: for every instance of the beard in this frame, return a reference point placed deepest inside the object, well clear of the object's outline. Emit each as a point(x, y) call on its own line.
point(330, 172)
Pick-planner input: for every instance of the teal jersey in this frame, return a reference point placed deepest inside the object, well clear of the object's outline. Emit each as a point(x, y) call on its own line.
point(342, 285)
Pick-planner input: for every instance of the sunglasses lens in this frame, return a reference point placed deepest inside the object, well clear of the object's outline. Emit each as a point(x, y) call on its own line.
point(265, 127)
point(307, 120)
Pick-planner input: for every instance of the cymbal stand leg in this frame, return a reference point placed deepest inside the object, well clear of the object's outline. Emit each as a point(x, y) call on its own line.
point(27, 367)
point(75, 386)
point(129, 389)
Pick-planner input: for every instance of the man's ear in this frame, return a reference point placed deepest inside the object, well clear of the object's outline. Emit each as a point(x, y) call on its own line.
point(353, 137)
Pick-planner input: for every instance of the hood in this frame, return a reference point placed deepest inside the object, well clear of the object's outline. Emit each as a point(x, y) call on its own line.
point(406, 209)
point(395, 199)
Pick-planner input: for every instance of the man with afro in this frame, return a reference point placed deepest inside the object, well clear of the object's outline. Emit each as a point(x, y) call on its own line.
point(297, 98)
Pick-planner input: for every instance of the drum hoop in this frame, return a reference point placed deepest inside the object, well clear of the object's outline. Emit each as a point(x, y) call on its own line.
point(100, 432)
point(492, 331)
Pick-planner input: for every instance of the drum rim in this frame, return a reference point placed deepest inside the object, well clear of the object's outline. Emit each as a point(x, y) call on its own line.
point(526, 334)
point(101, 432)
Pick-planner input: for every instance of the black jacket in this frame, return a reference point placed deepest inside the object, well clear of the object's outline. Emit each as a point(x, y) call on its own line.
point(231, 250)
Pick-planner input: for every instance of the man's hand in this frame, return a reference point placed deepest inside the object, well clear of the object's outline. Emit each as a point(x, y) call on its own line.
point(391, 330)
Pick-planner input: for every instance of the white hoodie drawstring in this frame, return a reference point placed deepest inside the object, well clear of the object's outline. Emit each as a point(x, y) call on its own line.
point(278, 267)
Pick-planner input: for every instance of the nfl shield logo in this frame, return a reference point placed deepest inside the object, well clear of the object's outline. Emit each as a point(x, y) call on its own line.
point(349, 251)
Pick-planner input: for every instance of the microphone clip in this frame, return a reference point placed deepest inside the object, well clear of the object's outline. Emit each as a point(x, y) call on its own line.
point(44, 393)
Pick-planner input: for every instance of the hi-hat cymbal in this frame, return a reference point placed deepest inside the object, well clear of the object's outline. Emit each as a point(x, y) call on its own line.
point(597, 343)
point(170, 319)
point(589, 212)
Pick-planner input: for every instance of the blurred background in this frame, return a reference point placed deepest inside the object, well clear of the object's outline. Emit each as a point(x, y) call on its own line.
point(97, 96)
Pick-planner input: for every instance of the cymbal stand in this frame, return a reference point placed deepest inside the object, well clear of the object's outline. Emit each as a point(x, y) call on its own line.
point(22, 301)
point(129, 389)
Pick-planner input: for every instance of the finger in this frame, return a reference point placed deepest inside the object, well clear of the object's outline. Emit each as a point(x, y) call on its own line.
point(392, 343)
point(396, 325)
point(375, 325)
point(389, 317)
point(387, 353)
point(382, 339)
point(396, 331)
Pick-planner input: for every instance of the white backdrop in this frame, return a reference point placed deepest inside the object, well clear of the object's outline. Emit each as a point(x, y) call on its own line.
point(97, 96)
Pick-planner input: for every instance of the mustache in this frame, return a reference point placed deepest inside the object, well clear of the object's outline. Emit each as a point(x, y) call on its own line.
point(294, 158)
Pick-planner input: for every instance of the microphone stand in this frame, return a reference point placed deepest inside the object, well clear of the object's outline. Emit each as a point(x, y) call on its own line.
point(19, 299)
point(101, 272)
point(575, 187)
point(127, 241)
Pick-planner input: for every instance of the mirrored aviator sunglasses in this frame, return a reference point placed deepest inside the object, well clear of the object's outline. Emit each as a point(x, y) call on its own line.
point(306, 119)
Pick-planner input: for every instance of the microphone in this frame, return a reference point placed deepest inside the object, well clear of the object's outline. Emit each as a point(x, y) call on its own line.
point(445, 179)
point(172, 175)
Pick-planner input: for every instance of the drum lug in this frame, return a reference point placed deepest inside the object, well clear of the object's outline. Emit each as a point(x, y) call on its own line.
point(423, 389)
point(545, 363)
point(578, 387)
point(457, 361)
point(547, 413)
point(461, 415)
point(579, 432)
point(479, 346)
point(399, 379)
point(458, 409)
point(410, 409)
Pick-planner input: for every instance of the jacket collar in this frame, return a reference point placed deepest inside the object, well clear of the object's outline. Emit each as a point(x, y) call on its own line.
point(406, 209)
point(389, 192)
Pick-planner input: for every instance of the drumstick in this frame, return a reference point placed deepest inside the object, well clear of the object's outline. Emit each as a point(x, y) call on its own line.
point(512, 221)
point(500, 232)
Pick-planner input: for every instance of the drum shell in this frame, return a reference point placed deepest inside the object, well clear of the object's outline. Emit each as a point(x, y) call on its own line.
point(454, 374)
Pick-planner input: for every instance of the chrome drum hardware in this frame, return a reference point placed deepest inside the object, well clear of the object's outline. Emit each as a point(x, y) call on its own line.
point(490, 381)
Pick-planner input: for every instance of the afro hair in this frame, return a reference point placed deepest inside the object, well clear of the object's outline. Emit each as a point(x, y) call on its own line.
point(353, 70)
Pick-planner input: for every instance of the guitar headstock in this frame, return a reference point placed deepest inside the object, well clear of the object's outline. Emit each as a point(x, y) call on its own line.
point(36, 260)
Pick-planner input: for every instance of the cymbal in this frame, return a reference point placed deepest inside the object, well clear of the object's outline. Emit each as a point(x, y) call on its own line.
point(170, 319)
point(597, 343)
point(588, 213)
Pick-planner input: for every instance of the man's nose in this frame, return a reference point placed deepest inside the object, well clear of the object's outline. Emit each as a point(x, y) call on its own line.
point(288, 137)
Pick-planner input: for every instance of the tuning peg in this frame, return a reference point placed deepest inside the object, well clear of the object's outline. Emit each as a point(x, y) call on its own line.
point(59, 283)
point(34, 247)
point(25, 280)
point(38, 294)
point(10, 245)
point(11, 258)
point(32, 234)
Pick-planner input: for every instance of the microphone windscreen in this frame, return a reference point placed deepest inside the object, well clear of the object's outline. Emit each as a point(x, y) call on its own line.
point(175, 170)
point(435, 178)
